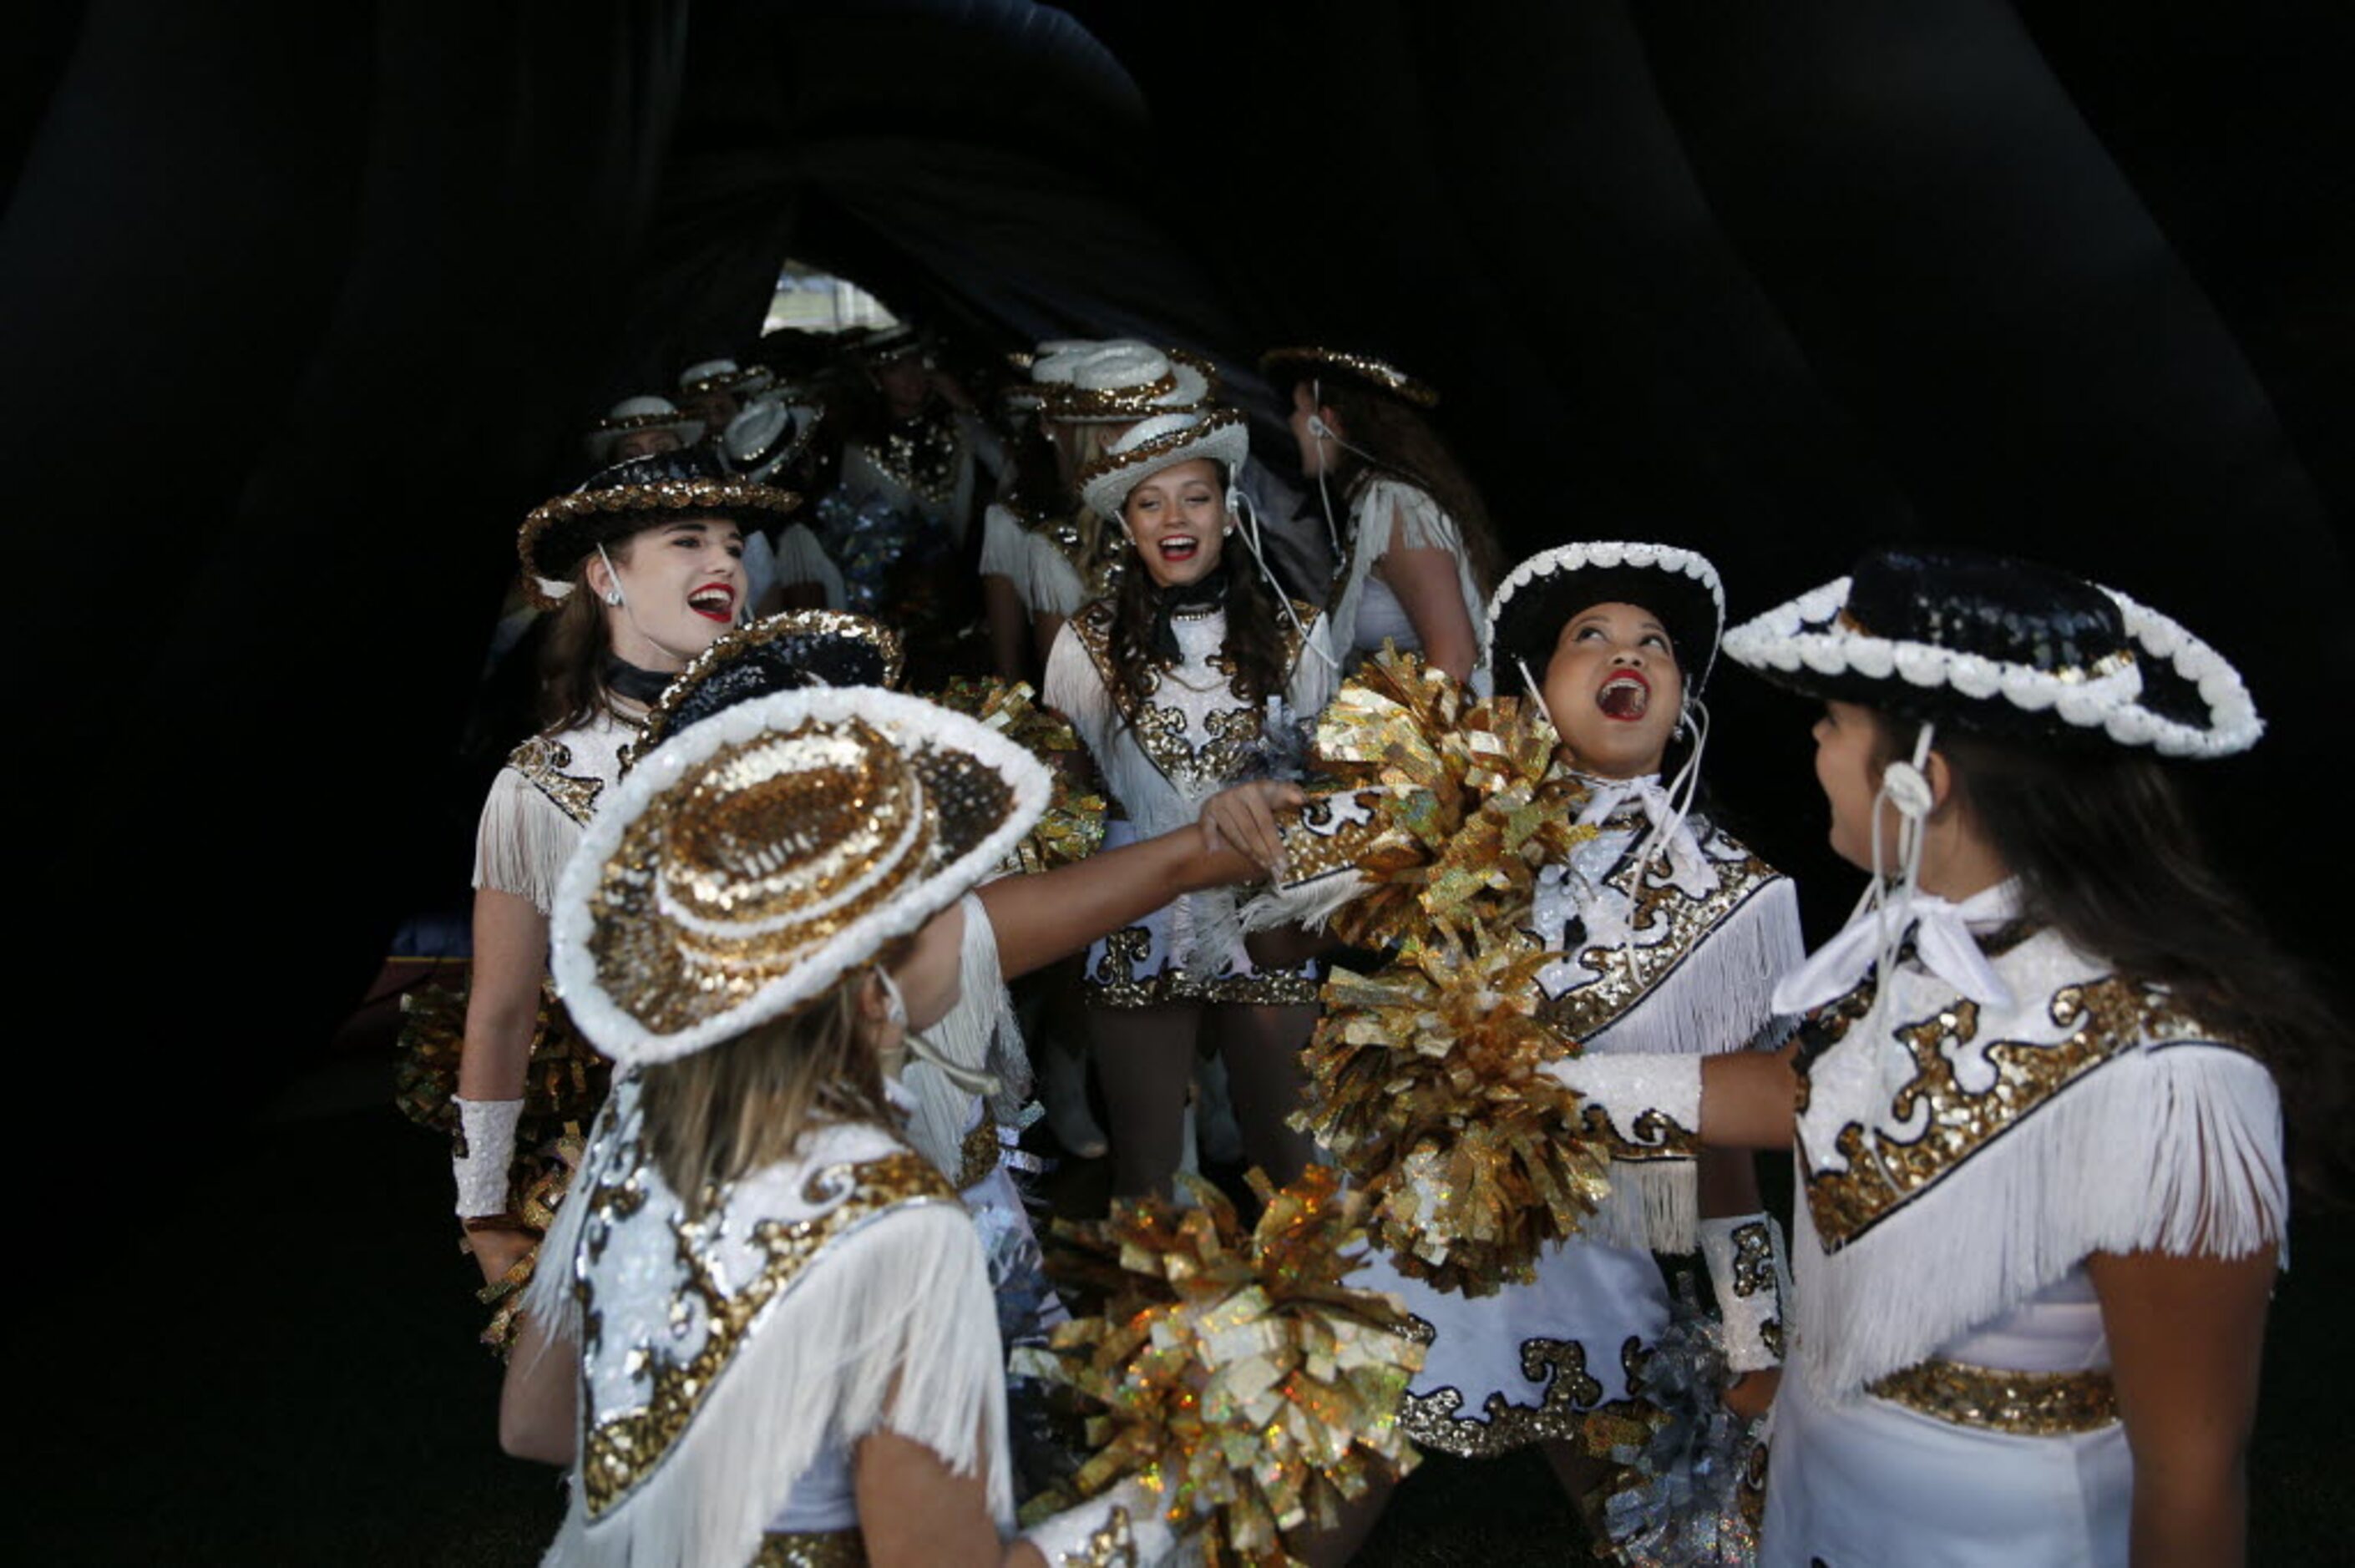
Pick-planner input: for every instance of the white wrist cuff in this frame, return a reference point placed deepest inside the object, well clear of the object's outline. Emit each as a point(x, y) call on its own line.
point(1652, 1102)
point(486, 1131)
point(1126, 1526)
point(1751, 1269)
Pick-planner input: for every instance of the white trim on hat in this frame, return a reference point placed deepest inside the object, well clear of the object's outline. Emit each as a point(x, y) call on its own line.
point(905, 721)
point(1609, 555)
point(1808, 635)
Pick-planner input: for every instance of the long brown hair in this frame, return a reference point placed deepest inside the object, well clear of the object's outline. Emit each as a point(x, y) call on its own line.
point(1255, 634)
point(1404, 446)
point(2107, 856)
point(573, 655)
point(745, 1103)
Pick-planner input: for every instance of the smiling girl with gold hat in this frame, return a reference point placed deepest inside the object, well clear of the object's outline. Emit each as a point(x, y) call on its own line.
point(775, 1340)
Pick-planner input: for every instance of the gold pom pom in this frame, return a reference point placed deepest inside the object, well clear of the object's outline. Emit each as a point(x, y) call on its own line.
point(1425, 1088)
point(1236, 1376)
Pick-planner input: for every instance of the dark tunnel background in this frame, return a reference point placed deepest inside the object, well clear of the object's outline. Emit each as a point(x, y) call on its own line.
point(304, 308)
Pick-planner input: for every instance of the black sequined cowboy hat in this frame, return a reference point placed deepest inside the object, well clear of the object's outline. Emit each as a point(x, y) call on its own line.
point(1982, 642)
point(618, 502)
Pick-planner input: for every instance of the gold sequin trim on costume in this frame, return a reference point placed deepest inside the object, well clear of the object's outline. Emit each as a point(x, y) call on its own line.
point(2107, 1018)
point(623, 1447)
point(1115, 981)
point(1666, 926)
point(2026, 1404)
point(922, 457)
point(1113, 1546)
point(543, 762)
point(810, 1549)
point(1434, 1420)
point(1161, 732)
point(977, 1156)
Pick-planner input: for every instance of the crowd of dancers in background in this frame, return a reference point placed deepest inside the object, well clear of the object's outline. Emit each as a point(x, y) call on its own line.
point(1324, 840)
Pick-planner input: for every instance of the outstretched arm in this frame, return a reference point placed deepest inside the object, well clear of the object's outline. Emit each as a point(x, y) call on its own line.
point(1041, 919)
point(1748, 1099)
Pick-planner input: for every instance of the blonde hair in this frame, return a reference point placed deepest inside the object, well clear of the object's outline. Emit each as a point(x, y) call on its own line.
point(741, 1105)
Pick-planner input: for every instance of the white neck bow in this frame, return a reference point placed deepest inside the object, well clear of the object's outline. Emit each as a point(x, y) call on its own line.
point(1688, 868)
point(1942, 942)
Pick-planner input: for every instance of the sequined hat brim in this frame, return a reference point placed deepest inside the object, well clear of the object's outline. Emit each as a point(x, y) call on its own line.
point(1306, 364)
point(1221, 438)
point(556, 534)
point(1530, 608)
point(615, 953)
point(2173, 693)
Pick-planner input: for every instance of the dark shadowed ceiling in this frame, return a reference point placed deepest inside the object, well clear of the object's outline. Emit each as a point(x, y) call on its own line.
point(304, 305)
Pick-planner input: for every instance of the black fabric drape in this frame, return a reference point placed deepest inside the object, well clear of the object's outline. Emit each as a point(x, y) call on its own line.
point(286, 292)
point(304, 308)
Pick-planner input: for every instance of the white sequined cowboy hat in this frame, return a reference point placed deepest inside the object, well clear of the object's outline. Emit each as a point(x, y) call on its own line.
point(1161, 441)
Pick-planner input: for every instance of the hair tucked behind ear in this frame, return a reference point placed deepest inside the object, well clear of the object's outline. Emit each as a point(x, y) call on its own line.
point(573, 655)
point(2106, 854)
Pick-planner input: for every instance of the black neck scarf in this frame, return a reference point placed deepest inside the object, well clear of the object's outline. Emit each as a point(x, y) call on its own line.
point(626, 680)
point(1208, 592)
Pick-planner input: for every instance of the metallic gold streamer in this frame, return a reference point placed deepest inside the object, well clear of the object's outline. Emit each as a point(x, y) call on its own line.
point(1234, 1373)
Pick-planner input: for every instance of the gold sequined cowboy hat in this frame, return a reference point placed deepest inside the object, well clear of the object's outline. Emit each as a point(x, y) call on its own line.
point(752, 861)
point(1282, 365)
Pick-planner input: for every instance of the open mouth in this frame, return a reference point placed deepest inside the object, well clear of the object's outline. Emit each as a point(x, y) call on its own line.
point(1626, 695)
point(713, 602)
point(1179, 547)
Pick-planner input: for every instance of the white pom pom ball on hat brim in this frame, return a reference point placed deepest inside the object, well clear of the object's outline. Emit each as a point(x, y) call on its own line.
point(1816, 646)
point(1537, 599)
point(711, 893)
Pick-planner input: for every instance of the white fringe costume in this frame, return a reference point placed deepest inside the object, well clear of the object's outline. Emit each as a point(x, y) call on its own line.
point(1388, 514)
point(541, 801)
point(1673, 958)
point(730, 1364)
point(1192, 737)
point(1948, 1400)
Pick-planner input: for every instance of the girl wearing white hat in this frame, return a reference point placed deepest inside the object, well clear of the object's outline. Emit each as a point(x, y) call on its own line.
point(1180, 685)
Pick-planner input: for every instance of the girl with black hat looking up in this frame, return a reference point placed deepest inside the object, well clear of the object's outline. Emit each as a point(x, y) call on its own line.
point(2038, 1126)
point(1662, 935)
